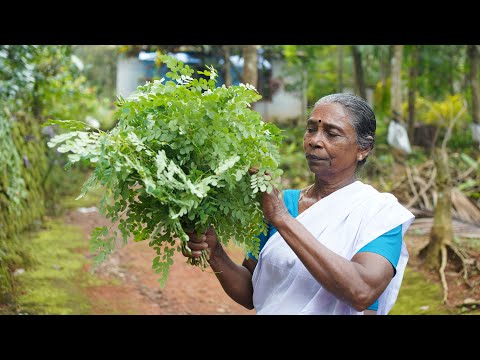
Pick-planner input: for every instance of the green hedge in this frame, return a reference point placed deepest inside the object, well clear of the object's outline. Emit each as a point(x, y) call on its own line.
point(16, 218)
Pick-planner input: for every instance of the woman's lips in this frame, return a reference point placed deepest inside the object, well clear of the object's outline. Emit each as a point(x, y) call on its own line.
point(315, 158)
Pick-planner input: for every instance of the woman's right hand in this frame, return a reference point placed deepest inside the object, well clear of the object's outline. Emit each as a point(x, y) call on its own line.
point(235, 279)
point(206, 241)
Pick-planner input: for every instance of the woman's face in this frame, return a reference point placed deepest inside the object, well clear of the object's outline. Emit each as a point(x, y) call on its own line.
point(330, 142)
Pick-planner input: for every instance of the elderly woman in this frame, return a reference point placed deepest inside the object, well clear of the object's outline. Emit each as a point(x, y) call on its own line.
point(334, 247)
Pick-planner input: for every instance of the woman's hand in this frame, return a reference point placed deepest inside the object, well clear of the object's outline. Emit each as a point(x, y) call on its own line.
point(274, 209)
point(206, 241)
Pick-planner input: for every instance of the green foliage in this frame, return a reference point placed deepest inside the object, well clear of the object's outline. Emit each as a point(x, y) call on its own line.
point(100, 70)
point(12, 185)
point(302, 63)
point(447, 115)
point(61, 90)
point(382, 99)
point(58, 188)
point(417, 157)
point(21, 207)
point(21, 191)
point(179, 158)
point(54, 284)
point(13, 255)
point(36, 82)
point(16, 144)
point(418, 296)
point(462, 139)
point(44, 80)
point(441, 70)
point(439, 112)
point(16, 78)
point(374, 61)
point(293, 163)
point(381, 132)
point(463, 164)
point(378, 170)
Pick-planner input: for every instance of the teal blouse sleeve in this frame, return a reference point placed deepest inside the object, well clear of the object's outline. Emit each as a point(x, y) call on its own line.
point(388, 245)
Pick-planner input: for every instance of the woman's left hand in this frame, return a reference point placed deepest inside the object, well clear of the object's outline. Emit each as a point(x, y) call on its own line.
point(274, 209)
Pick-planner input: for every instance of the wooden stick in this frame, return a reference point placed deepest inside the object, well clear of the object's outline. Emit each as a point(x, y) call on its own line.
point(410, 182)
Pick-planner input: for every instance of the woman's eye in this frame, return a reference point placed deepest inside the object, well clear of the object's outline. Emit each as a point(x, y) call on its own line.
point(310, 130)
point(332, 134)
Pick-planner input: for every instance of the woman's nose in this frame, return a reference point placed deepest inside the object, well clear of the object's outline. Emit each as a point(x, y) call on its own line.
point(317, 139)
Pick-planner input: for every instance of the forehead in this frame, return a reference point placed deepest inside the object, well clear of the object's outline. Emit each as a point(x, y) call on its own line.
point(330, 112)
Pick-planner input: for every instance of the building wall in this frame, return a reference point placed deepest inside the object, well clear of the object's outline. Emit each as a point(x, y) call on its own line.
point(130, 74)
point(284, 106)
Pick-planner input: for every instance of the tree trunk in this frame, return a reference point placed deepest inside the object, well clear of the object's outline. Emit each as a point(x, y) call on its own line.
point(340, 68)
point(358, 71)
point(226, 66)
point(441, 233)
point(451, 70)
point(385, 63)
point(250, 65)
point(412, 89)
point(396, 91)
point(473, 80)
point(303, 119)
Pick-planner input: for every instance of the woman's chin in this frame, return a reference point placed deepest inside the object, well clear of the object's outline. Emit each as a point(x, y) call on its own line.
point(318, 165)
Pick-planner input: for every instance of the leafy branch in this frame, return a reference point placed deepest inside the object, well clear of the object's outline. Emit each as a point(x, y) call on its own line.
point(179, 158)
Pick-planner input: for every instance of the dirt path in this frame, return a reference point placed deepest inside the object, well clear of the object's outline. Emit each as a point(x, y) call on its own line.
point(133, 288)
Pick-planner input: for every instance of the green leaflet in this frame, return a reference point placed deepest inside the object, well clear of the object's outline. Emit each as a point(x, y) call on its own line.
point(179, 157)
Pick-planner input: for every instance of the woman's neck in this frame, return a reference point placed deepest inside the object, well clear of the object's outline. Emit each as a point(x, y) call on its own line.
point(323, 188)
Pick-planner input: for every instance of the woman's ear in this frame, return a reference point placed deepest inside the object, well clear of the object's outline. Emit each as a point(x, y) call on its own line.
point(363, 153)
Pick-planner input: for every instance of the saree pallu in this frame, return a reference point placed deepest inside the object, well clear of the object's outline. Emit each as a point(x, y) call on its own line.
point(344, 222)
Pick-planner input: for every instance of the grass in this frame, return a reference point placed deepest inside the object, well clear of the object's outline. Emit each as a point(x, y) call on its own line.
point(419, 296)
point(55, 283)
point(91, 198)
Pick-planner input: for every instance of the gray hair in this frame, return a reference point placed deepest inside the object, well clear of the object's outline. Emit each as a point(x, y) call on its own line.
point(362, 117)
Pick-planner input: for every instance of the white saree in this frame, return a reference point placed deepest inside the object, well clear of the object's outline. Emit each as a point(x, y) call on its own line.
point(344, 221)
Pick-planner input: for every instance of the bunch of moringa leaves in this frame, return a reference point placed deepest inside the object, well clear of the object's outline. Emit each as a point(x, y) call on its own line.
point(178, 158)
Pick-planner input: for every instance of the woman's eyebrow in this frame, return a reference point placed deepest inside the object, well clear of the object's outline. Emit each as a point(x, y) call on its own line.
point(327, 125)
point(333, 126)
